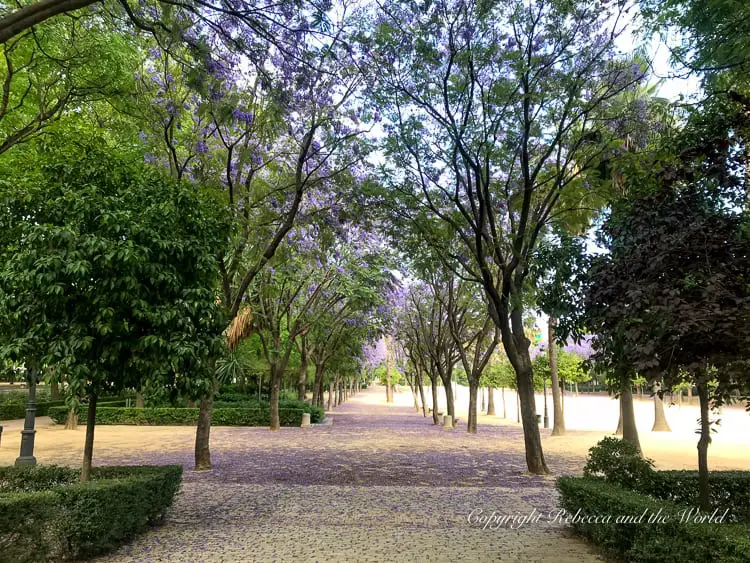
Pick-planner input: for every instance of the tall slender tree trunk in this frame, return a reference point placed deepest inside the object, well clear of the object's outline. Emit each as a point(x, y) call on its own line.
point(484, 406)
point(420, 384)
point(629, 429)
point(450, 405)
point(558, 425)
point(433, 382)
point(88, 445)
point(471, 424)
point(618, 432)
point(388, 387)
point(532, 437)
point(518, 407)
point(490, 401)
point(704, 491)
point(341, 392)
point(330, 396)
point(274, 398)
point(203, 431)
point(502, 394)
point(660, 420)
point(302, 379)
point(562, 396)
point(690, 394)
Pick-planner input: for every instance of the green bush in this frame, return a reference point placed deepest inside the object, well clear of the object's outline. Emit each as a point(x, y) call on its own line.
point(67, 519)
point(729, 489)
point(670, 541)
point(13, 410)
point(618, 462)
point(180, 416)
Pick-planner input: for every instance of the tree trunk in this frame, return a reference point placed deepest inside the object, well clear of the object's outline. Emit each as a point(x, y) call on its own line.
point(420, 383)
point(629, 429)
point(433, 382)
point(689, 394)
point(518, 407)
point(562, 397)
point(471, 424)
point(302, 380)
point(502, 394)
point(490, 401)
point(532, 437)
point(203, 431)
point(341, 392)
point(679, 396)
point(558, 425)
point(274, 400)
point(88, 446)
point(330, 396)
point(450, 406)
point(71, 423)
point(388, 387)
point(618, 432)
point(54, 392)
point(660, 420)
point(576, 386)
point(704, 491)
point(139, 400)
point(484, 407)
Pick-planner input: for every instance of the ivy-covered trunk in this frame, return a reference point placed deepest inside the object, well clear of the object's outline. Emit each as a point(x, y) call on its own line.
point(203, 432)
point(704, 491)
point(490, 401)
point(88, 445)
point(558, 425)
point(139, 400)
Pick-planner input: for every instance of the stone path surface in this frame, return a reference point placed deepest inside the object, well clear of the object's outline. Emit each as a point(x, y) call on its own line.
point(379, 484)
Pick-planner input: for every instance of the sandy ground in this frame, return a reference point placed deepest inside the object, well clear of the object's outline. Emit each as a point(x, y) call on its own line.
point(380, 483)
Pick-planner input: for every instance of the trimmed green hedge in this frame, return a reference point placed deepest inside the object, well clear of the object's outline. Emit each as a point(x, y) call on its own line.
point(180, 417)
point(11, 411)
point(671, 541)
point(729, 489)
point(316, 413)
point(55, 517)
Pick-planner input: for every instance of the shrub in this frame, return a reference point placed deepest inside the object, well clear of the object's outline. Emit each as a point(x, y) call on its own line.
point(618, 462)
point(729, 489)
point(672, 541)
point(180, 416)
point(13, 410)
point(70, 520)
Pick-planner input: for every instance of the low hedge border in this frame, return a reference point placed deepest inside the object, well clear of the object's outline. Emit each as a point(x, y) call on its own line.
point(107, 415)
point(11, 411)
point(729, 489)
point(317, 414)
point(673, 541)
point(53, 517)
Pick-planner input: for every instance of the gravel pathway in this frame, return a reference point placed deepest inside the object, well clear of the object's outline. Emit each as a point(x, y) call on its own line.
point(379, 484)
